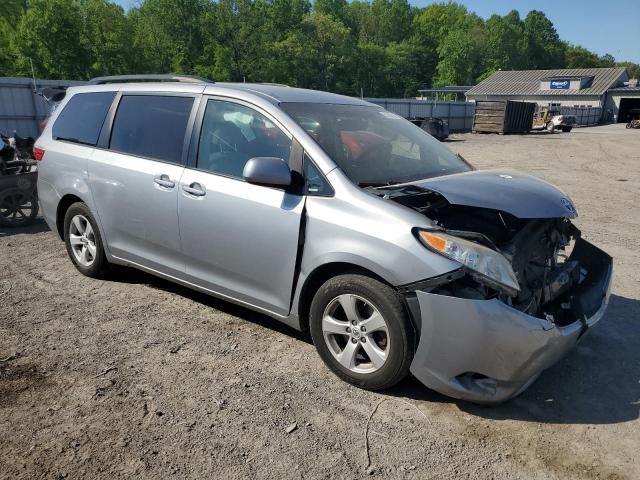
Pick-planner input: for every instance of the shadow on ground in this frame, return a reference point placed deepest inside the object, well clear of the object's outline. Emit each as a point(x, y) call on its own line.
point(597, 383)
point(134, 276)
point(38, 226)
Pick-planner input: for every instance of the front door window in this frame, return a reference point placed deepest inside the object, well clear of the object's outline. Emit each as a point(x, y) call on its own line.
point(232, 134)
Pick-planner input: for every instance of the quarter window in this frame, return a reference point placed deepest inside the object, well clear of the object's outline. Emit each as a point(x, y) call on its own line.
point(151, 126)
point(314, 181)
point(82, 117)
point(232, 134)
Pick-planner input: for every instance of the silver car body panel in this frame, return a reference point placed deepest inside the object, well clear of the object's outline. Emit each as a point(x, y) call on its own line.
point(360, 228)
point(242, 242)
point(240, 239)
point(138, 215)
point(521, 195)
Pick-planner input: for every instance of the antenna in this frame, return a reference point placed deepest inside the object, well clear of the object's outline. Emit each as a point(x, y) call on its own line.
point(33, 76)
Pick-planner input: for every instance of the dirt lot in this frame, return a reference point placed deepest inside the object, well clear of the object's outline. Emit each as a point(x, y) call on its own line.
point(135, 377)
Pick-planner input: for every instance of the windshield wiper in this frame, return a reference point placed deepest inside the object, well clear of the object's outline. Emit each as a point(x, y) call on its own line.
point(376, 184)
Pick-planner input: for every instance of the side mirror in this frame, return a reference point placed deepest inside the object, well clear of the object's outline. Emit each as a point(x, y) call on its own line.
point(267, 171)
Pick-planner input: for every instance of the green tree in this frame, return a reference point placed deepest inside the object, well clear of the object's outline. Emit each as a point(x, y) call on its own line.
point(286, 15)
point(338, 9)
point(402, 71)
point(504, 48)
point(6, 59)
point(544, 49)
point(317, 55)
point(633, 69)
point(379, 47)
point(607, 60)
point(579, 57)
point(360, 21)
point(368, 72)
point(431, 26)
point(245, 38)
point(106, 34)
point(391, 21)
point(461, 57)
point(435, 22)
point(50, 34)
point(168, 34)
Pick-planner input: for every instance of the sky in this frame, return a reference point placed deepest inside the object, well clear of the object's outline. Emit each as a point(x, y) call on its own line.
point(601, 26)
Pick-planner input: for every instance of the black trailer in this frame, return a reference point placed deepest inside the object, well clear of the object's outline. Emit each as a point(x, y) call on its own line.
point(18, 183)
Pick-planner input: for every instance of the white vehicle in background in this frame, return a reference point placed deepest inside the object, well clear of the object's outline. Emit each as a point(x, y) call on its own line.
point(552, 120)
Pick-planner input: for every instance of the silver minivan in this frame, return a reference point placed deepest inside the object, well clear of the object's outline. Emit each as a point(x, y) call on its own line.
point(331, 215)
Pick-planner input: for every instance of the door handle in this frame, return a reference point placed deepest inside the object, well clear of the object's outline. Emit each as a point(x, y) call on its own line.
point(164, 181)
point(195, 189)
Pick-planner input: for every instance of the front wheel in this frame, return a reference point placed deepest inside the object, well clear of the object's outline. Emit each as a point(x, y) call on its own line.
point(362, 331)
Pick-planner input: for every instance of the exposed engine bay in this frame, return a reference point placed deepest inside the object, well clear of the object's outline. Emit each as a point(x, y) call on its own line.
point(547, 255)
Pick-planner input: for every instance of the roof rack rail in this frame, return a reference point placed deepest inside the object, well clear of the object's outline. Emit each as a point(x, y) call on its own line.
point(148, 78)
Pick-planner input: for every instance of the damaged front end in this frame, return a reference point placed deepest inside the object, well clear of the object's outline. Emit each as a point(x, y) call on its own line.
point(488, 329)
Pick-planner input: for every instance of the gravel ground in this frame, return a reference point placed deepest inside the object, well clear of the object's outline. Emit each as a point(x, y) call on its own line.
point(135, 377)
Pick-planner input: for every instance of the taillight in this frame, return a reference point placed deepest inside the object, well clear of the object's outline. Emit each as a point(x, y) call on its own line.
point(38, 153)
point(43, 124)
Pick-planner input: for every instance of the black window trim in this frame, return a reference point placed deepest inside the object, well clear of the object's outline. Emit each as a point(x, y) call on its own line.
point(194, 146)
point(105, 135)
point(104, 122)
point(331, 193)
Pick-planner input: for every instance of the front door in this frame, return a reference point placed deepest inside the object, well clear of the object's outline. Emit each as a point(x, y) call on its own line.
point(239, 240)
point(135, 182)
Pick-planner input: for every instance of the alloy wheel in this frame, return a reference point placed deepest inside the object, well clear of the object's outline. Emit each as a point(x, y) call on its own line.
point(356, 333)
point(83, 240)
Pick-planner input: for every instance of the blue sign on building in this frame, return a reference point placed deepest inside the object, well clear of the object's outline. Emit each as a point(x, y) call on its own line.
point(560, 84)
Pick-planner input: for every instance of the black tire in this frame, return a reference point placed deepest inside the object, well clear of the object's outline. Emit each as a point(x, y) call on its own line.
point(389, 303)
point(18, 208)
point(99, 266)
point(566, 129)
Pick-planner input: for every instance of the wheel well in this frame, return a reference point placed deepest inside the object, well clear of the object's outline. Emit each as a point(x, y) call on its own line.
point(321, 275)
point(63, 206)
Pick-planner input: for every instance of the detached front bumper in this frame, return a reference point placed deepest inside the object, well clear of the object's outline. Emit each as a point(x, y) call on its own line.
point(487, 352)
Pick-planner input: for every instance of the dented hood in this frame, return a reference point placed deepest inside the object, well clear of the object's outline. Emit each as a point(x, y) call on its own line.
point(521, 195)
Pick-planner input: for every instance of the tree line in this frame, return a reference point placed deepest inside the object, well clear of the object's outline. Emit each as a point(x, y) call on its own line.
point(383, 48)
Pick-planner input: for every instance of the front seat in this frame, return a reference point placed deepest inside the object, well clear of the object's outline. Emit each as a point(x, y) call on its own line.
point(222, 149)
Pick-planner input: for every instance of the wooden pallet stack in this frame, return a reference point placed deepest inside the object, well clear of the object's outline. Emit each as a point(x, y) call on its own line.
point(503, 116)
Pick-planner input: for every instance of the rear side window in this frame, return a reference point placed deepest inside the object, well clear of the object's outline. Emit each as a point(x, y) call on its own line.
point(151, 126)
point(82, 117)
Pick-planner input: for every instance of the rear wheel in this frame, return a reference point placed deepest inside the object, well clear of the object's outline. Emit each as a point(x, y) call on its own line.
point(83, 241)
point(566, 129)
point(362, 331)
point(550, 127)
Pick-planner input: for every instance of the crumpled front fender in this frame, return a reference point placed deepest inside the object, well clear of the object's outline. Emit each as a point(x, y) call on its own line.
point(487, 352)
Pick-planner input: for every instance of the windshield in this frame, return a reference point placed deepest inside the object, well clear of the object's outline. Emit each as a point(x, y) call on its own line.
point(373, 146)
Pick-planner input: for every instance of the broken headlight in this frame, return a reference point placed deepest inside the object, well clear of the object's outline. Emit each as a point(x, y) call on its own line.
point(487, 265)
